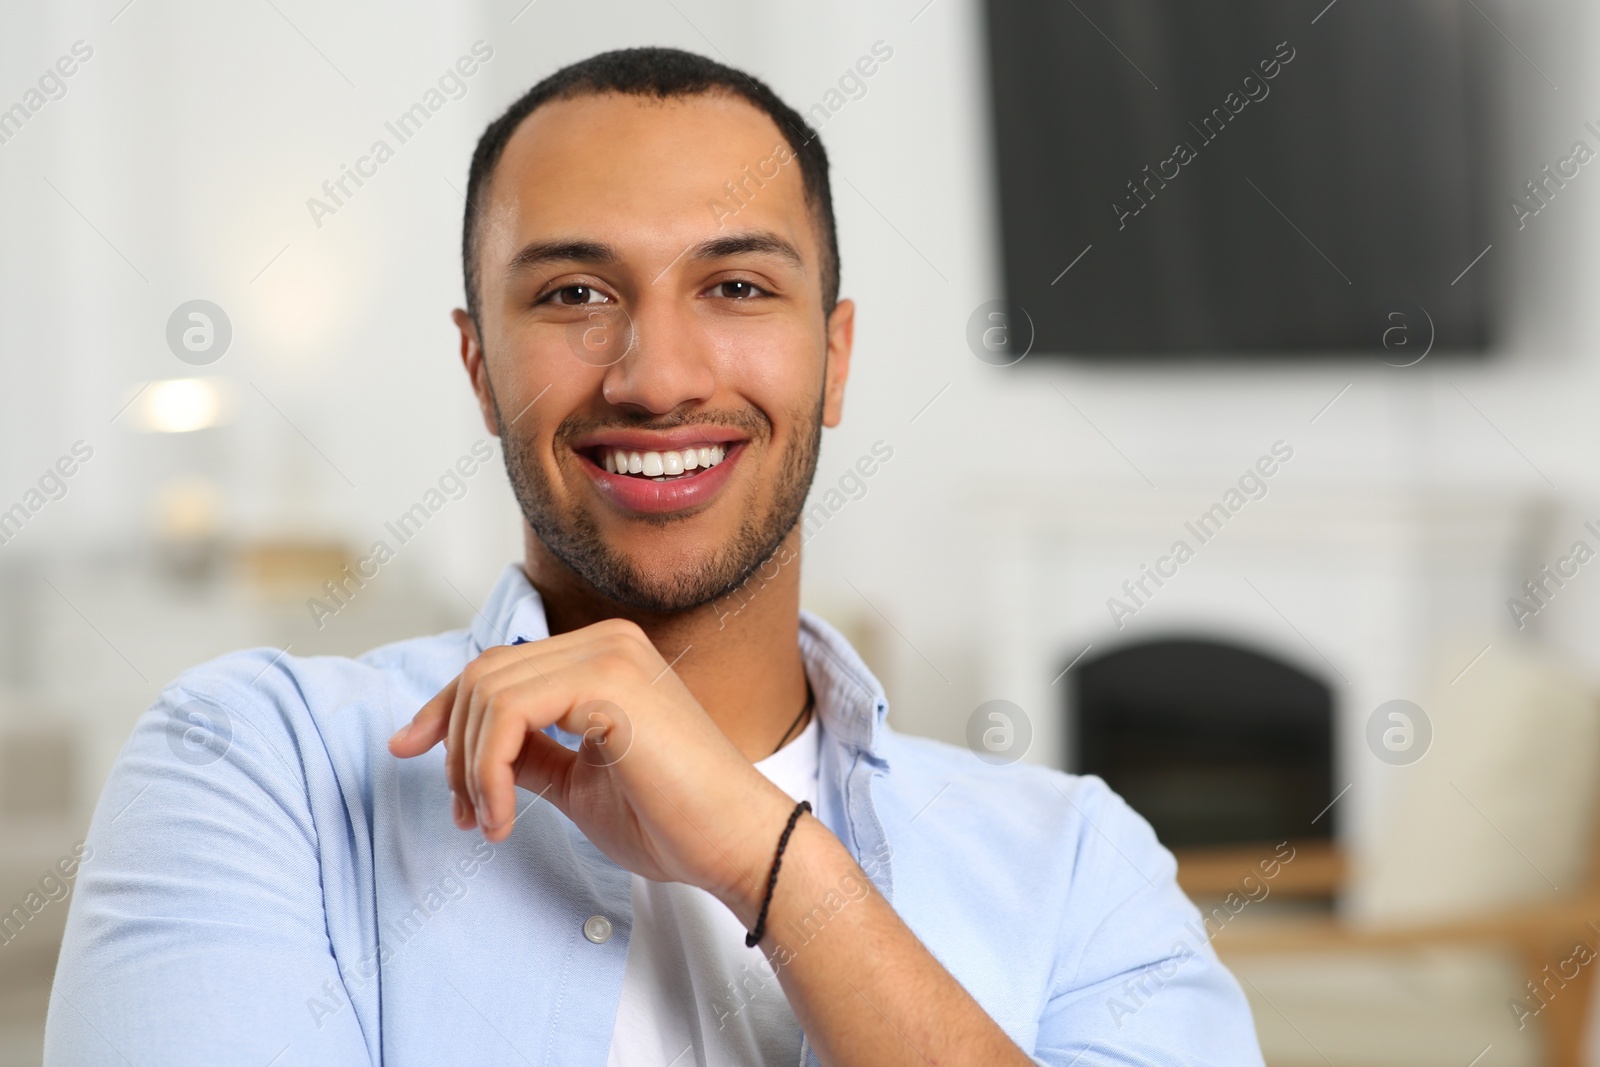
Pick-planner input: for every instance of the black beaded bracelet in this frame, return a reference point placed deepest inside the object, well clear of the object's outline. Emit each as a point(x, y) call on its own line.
point(753, 938)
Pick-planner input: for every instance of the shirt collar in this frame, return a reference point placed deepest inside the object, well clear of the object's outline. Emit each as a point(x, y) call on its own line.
point(513, 609)
point(850, 701)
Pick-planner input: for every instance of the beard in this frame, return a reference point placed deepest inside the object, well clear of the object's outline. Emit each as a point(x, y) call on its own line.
point(574, 537)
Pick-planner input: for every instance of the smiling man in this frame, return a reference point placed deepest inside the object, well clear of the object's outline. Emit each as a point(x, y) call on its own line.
point(619, 824)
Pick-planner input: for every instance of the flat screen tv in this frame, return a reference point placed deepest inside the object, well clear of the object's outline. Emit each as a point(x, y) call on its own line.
point(1247, 177)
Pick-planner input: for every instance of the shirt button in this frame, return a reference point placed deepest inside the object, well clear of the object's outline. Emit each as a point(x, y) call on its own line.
point(597, 928)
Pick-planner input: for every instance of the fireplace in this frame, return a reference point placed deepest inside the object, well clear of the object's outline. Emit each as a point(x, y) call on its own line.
point(1213, 743)
point(1351, 591)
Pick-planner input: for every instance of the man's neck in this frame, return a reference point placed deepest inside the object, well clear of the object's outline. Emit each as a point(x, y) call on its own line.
point(739, 655)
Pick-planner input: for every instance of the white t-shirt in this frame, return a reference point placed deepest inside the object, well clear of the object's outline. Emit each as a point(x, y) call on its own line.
point(692, 993)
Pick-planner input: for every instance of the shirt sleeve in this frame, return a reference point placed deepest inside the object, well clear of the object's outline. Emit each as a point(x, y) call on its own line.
point(198, 934)
point(1144, 987)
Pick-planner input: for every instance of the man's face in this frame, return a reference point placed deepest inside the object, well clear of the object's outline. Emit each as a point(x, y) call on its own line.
point(652, 348)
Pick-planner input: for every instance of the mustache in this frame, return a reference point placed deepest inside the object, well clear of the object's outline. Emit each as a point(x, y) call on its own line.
point(751, 423)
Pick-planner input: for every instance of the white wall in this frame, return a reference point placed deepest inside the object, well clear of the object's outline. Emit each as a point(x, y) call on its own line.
point(192, 139)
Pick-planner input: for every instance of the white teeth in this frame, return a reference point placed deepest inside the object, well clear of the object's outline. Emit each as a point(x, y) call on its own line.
point(660, 465)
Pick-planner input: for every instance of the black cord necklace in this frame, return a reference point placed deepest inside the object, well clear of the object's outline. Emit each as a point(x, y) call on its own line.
point(797, 719)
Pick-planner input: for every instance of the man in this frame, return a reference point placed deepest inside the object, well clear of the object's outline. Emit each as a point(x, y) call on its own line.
point(593, 793)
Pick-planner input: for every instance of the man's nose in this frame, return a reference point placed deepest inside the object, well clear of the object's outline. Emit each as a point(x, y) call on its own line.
point(667, 361)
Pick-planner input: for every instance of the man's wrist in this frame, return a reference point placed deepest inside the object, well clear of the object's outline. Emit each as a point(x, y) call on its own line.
point(745, 891)
point(811, 851)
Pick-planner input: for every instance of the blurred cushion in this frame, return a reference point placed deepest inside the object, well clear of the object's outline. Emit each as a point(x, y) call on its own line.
point(1500, 811)
point(1428, 1008)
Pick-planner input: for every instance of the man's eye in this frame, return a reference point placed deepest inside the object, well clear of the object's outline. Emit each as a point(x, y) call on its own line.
point(576, 294)
point(737, 290)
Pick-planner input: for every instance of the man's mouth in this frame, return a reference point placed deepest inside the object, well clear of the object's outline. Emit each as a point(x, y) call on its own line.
point(664, 466)
point(660, 471)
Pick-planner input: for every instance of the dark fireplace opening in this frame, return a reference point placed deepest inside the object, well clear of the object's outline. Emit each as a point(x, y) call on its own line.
point(1212, 743)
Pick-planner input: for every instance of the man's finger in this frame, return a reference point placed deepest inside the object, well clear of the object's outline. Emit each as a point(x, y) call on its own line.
point(506, 673)
point(521, 709)
point(455, 764)
point(542, 767)
point(508, 700)
point(495, 668)
point(542, 658)
point(428, 726)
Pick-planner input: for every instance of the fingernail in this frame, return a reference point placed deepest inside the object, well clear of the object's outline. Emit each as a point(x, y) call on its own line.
point(400, 734)
point(456, 807)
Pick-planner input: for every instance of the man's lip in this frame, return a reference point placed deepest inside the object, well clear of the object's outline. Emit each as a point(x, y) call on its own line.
point(658, 440)
point(633, 494)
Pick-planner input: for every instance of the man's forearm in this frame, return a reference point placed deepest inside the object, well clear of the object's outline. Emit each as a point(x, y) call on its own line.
point(862, 985)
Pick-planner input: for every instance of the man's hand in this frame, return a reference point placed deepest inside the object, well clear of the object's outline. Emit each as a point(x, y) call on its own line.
point(659, 789)
point(655, 784)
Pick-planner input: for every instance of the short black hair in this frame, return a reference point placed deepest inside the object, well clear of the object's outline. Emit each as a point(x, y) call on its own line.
point(662, 73)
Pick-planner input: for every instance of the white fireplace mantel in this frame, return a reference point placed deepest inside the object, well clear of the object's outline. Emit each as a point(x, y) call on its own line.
point(1354, 587)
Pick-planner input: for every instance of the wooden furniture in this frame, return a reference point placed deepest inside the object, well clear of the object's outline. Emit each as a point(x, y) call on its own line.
point(1543, 935)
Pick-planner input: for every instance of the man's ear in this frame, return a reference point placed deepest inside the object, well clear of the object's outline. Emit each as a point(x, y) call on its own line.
point(477, 370)
point(841, 337)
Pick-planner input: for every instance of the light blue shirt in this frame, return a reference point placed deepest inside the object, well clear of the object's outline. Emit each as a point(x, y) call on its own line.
point(269, 886)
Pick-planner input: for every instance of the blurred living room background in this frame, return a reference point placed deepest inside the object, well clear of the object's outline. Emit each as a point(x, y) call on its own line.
point(1343, 350)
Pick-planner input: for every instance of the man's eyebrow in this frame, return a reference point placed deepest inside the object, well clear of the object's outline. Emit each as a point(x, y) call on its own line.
point(757, 241)
point(536, 254)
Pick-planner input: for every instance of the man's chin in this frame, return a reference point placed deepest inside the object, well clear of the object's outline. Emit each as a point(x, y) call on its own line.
point(660, 594)
point(654, 576)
